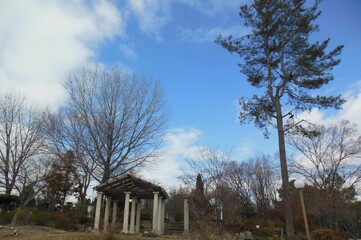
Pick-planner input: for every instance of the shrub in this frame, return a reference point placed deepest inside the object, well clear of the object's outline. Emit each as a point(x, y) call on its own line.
point(84, 220)
point(68, 221)
point(340, 236)
point(178, 215)
point(44, 218)
point(24, 216)
point(9, 202)
point(146, 214)
point(6, 217)
point(327, 234)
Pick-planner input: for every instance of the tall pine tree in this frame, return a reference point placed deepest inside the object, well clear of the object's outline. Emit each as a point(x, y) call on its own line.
point(279, 60)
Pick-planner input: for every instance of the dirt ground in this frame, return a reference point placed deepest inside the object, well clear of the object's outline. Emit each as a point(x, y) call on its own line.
point(46, 233)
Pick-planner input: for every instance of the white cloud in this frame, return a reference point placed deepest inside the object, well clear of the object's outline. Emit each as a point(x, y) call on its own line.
point(209, 34)
point(246, 149)
point(152, 15)
point(213, 7)
point(350, 110)
point(128, 51)
point(180, 144)
point(41, 40)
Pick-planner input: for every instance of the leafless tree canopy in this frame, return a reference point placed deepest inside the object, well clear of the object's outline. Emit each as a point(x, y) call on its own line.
point(22, 140)
point(253, 182)
point(119, 118)
point(329, 153)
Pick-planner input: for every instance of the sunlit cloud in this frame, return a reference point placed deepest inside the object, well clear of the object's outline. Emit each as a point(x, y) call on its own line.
point(49, 39)
point(350, 110)
point(180, 144)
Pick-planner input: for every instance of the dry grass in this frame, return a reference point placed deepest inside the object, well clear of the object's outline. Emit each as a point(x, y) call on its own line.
point(46, 233)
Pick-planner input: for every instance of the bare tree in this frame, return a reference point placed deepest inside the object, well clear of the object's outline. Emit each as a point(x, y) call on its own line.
point(255, 181)
point(22, 138)
point(64, 135)
point(211, 164)
point(331, 163)
point(330, 153)
point(237, 179)
point(120, 118)
point(31, 179)
point(263, 182)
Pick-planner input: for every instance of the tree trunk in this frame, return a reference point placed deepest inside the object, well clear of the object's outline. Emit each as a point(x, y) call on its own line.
point(284, 173)
point(106, 173)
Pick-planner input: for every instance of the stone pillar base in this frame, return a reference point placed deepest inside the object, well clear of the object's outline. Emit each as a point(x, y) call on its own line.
point(186, 234)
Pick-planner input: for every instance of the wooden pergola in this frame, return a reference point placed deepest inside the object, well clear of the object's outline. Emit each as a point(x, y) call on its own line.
point(130, 187)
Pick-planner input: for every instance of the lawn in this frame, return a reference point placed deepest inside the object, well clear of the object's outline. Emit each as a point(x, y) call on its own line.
point(46, 233)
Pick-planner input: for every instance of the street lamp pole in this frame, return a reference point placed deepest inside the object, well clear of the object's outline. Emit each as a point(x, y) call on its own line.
point(299, 184)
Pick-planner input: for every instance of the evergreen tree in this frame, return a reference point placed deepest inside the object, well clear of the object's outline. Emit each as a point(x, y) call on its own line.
point(279, 60)
point(199, 202)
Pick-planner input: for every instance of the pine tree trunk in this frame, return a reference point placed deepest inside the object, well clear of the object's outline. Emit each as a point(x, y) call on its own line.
point(284, 173)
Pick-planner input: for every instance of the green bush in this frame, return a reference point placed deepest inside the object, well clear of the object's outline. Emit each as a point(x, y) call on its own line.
point(178, 215)
point(68, 221)
point(146, 214)
point(9, 202)
point(322, 234)
point(6, 217)
point(24, 216)
point(44, 218)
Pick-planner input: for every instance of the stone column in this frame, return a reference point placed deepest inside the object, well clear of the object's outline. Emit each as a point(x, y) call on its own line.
point(115, 210)
point(126, 212)
point(221, 211)
point(159, 224)
point(132, 215)
point(155, 212)
point(186, 218)
point(106, 214)
point(162, 215)
point(137, 218)
point(97, 211)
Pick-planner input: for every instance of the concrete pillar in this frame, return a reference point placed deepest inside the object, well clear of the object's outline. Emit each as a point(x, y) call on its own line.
point(186, 218)
point(137, 218)
point(126, 212)
point(97, 211)
point(132, 215)
point(159, 224)
point(221, 211)
point(115, 210)
point(162, 215)
point(106, 214)
point(155, 212)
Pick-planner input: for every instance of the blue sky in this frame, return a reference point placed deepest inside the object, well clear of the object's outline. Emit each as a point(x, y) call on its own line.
point(171, 41)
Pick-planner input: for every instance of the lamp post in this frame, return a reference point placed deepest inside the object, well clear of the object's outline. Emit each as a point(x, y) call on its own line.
point(299, 184)
point(257, 228)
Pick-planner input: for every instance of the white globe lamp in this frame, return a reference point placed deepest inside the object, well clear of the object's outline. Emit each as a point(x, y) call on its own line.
point(299, 184)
